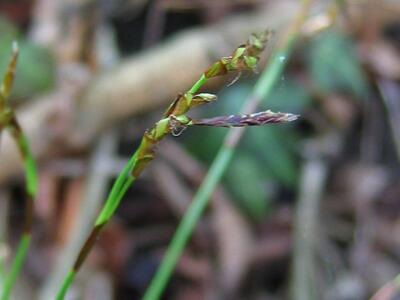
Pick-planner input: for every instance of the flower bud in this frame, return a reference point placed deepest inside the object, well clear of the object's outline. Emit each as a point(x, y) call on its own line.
point(245, 57)
point(202, 98)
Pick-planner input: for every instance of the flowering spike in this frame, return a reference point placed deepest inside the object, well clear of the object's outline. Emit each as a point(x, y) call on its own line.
point(255, 119)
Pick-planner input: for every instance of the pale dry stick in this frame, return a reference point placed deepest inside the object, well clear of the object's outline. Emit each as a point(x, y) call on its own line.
point(261, 90)
point(389, 93)
point(313, 177)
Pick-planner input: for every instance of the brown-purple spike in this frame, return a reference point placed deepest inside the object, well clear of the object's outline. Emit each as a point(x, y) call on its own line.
point(255, 119)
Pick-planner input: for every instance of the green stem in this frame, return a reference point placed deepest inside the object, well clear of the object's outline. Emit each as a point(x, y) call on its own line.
point(10, 121)
point(113, 199)
point(261, 90)
point(120, 187)
point(31, 191)
point(270, 76)
point(198, 85)
point(187, 225)
point(16, 266)
point(65, 285)
point(30, 167)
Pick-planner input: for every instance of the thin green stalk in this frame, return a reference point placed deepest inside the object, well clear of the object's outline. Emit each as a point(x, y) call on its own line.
point(115, 195)
point(245, 57)
point(261, 91)
point(16, 266)
point(187, 225)
point(9, 121)
point(116, 199)
point(66, 284)
point(31, 191)
point(121, 185)
point(30, 166)
point(201, 199)
point(195, 88)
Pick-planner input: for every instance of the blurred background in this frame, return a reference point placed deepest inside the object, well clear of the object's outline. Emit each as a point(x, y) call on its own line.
point(307, 210)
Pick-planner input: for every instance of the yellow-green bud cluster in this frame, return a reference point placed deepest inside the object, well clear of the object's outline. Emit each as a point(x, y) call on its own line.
point(245, 57)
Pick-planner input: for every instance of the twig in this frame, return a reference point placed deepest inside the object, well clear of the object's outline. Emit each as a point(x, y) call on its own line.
point(176, 193)
point(155, 21)
point(311, 187)
point(389, 93)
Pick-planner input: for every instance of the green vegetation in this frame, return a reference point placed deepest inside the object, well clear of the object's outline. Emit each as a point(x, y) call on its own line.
point(9, 121)
point(174, 120)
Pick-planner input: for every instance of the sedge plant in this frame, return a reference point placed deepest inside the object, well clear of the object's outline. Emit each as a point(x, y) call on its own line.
point(174, 120)
point(261, 91)
point(8, 121)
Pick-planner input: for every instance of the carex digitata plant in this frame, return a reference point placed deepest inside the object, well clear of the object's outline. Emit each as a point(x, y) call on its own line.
point(174, 120)
point(8, 121)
